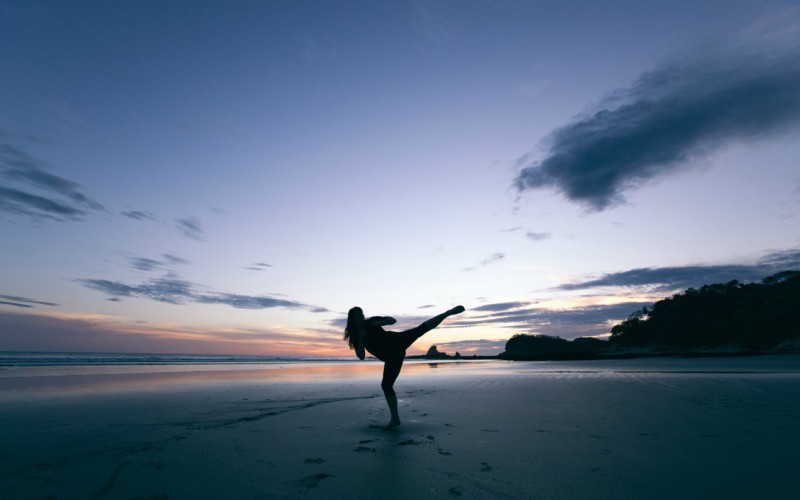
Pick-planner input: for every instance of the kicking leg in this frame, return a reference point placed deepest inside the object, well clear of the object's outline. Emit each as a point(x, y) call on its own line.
point(391, 369)
point(436, 320)
point(432, 323)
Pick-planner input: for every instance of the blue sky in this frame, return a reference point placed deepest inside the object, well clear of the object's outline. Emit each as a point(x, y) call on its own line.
point(232, 177)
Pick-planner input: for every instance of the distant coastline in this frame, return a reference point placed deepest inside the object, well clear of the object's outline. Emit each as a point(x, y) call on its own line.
point(721, 320)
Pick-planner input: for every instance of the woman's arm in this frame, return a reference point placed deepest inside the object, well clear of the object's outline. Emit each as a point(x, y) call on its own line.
point(383, 320)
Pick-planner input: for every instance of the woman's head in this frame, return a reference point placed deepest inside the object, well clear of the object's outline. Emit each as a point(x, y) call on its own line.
point(355, 320)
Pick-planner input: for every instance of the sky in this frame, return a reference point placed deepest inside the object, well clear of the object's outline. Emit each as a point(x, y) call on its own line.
point(231, 177)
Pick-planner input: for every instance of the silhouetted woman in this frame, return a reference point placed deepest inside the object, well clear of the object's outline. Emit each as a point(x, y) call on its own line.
point(389, 347)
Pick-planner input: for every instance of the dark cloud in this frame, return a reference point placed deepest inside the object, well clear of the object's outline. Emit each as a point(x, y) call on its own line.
point(177, 291)
point(18, 202)
point(251, 302)
point(13, 300)
point(667, 118)
point(191, 227)
point(678, 278)
point(28, 189)
point(15, 304)
point(495, 257)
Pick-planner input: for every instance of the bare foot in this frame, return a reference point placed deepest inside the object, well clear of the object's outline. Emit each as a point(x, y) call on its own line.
point(456, 310)
point(392, 424)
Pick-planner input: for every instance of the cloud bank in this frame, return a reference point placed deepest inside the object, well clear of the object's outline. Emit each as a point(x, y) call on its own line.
point(177, 291)
point(664, 279)
point(670, 116)
point(27, 189)
point(570, 323)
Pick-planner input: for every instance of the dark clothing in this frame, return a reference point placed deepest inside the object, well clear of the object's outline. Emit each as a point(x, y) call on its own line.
point(389, 345)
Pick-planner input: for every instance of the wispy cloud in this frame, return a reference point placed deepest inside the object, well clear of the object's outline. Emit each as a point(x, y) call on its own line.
point(258, 266)
point(147, 264)
point(174, 259)
point(144, 264)
point(177, 291)
point(139, 215)
point(670, 116)
point(13, 300)
point(677, 278)
point(28, 189)
point(191, 227)
point(495, 257)
point(500, 306)
point(538, 236)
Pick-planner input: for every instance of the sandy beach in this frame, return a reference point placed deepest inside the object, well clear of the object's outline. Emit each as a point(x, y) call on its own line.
point(656, 428)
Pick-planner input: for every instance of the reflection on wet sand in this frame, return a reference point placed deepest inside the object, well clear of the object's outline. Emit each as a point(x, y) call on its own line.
point(64, 380)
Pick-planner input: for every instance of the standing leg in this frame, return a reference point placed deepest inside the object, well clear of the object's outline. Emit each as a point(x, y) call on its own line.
point(391, 369)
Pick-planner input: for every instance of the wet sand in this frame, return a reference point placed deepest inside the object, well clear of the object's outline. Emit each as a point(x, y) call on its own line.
point(661, 428)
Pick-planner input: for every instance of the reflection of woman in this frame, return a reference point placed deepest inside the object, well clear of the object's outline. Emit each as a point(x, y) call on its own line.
point(389, 347)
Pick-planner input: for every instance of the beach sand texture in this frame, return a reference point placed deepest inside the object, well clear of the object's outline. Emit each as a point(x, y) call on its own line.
point(660, 428)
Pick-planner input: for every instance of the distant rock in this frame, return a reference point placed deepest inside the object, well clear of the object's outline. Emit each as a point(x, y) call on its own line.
point(433, 353)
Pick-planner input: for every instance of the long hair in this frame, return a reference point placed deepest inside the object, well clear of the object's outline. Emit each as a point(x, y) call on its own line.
point(350, 331)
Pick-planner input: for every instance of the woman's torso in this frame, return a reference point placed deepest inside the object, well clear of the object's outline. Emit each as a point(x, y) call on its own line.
point(378, 341)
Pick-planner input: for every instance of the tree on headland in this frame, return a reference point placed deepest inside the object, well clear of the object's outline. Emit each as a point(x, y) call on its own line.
point(737, 317)
point(522, 346)
point(752, 316)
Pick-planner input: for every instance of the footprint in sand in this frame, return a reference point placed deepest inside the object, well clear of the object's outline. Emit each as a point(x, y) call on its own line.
point(408, 441)
point(599, 471)
point(310, 482)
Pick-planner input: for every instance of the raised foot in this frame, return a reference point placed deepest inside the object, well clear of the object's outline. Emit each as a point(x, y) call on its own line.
point(456, 310)
point(391, 425)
